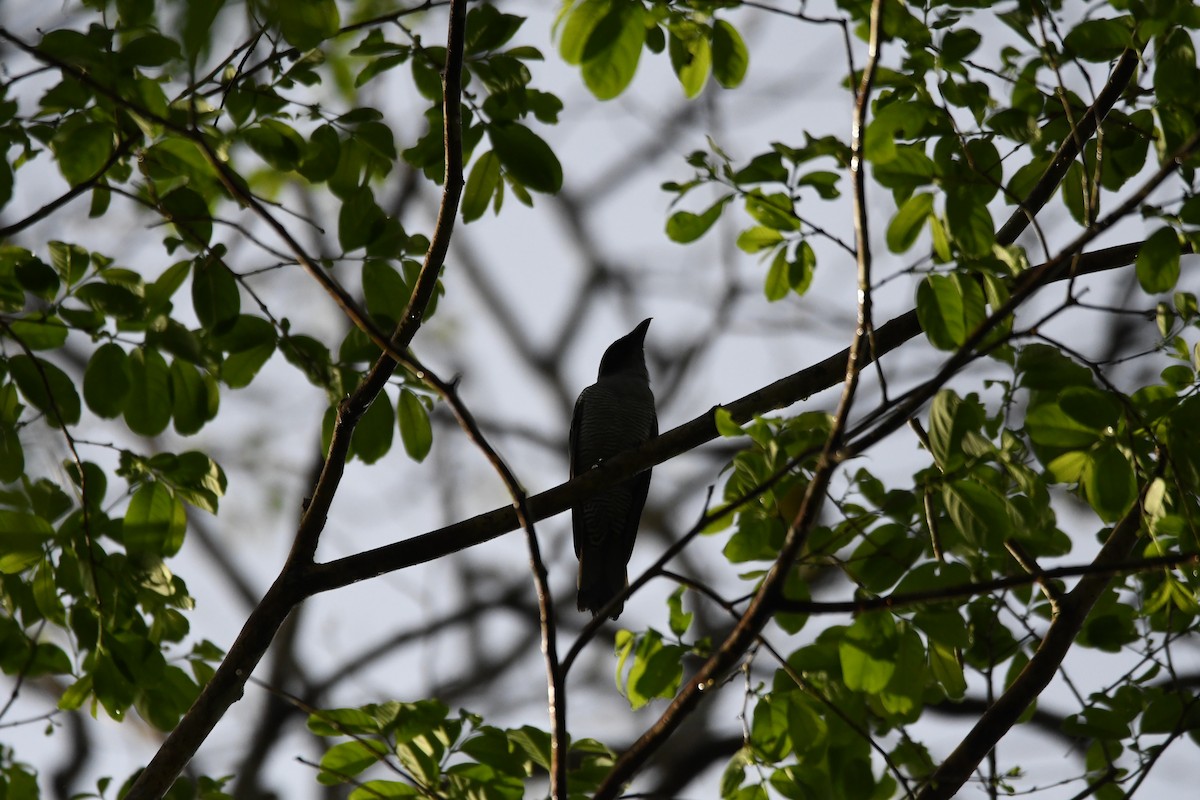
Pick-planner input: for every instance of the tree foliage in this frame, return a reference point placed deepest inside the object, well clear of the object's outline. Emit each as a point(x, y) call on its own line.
point(991, 153)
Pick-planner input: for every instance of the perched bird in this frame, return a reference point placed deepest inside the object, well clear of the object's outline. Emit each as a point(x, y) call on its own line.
point(613, 415)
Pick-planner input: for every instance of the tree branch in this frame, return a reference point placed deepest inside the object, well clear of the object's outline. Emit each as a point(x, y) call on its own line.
point(228, 682)
point(957, 769)
point(1043, 190)
point(688, 436)
point(762, 607)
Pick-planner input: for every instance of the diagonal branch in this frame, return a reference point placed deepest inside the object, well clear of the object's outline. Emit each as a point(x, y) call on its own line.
point(957, 769)
point(688, 436)
point(764, 603)
point(1118, 81)
point(227, 683)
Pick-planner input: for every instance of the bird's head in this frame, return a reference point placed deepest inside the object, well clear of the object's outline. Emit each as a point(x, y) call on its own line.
point(626, 354)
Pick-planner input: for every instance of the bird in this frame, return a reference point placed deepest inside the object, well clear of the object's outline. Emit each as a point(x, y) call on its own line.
point(613, 415)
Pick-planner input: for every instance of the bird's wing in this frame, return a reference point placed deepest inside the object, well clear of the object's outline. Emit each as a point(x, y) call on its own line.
point(578, 535)
point(639, 488)
point(573, 441)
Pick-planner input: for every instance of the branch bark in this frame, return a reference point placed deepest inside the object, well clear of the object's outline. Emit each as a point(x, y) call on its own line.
point(686, 437)
point(228, 682)
point(957, 769)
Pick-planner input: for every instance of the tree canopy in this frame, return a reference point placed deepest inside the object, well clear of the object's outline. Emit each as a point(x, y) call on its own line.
point(234, 236)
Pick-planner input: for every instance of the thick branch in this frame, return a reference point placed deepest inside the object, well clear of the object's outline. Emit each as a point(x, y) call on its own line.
point(780, 394)
point(1041, 669)
point(765, 602)
point(228, 682)
point(1118, 81)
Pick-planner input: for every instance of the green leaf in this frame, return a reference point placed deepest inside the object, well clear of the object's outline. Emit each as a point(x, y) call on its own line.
point(801, 267)
point(884, 556)
point(947, 670)
point(111, 299)
point(526, 157)
point(313, 359)
point(82, 150)
point(148, 407)
point(1109, 482)
point(680, 620)
point(950, 419)
point(950, 308)
point(36, 276)
point(774, 210)
point(12, 455)
point(725, 424)
point(776, 287)
point(215, 294)
point(906, 226)
point(960, 43)
point(1100, 40)
point(488, 29)
point(867, 652)
point(415, 430)
point(691, 58)
point(730, 57)
point(1158, 261)
point(197, 24)
point(384, 790)
point(69, 260)
point(189, 213)
point(343, 722)
point(360, 220)
point(305, 24)
point(612, 44)
point(970, 223)
point(75, 694)
point(978, 512)
point(1090, 407)
point(685, 227)
point(194, 398)
point(580, 21)
point(22, 540)
point(792, 274)
point(373, 436)
point(1175, 77)
point(150, 50)
point(155, 522)
point(657, 670)
point(321, 155)
point(760, 237)
point(45, 333)
point(1041, 366)
point(385, 291)
point(770, 736)
point(6, 183)
point(196, 478)
point(377, 139)
point(350, 758)
point(482, 185)
point(106, 381)
point(276, 143)
point(898, 118)
point(250, 342)
point(47, 388)
point(1048, 425)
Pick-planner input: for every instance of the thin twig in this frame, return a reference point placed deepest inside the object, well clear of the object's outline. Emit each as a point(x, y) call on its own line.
point(226, 685)
point(957, 768)
point(690, 435)
point(770, 591)
point(1030, 565)
point(120, 151)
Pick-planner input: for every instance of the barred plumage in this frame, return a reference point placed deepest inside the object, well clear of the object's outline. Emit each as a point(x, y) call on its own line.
point(613, 415)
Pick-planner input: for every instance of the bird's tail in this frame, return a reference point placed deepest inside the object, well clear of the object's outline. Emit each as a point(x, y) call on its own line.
point(600, 580)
